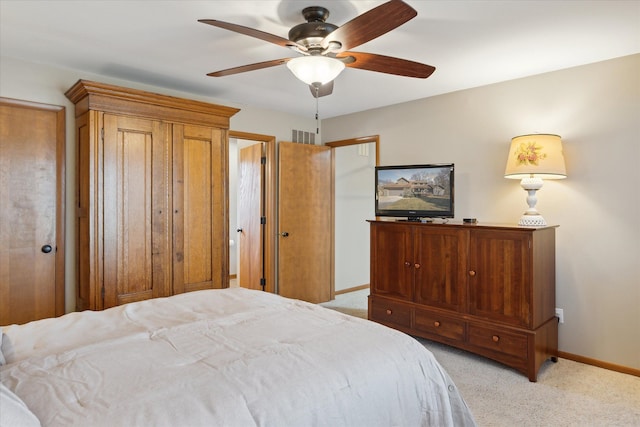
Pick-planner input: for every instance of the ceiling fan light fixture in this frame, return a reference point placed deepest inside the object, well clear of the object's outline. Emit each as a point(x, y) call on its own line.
point(315, 69)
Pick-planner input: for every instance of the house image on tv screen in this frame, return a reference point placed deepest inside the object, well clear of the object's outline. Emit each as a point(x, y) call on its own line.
point(406, 188)
point(414, 189)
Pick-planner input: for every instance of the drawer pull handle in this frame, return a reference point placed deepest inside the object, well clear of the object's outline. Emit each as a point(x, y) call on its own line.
point(416, 265)
point(389, 311)
point(495, 338)
point(436, 324)
point(472, 273)
point(407, 264)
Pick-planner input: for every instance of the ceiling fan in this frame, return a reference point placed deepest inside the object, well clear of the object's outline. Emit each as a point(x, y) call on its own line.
point(325, 48)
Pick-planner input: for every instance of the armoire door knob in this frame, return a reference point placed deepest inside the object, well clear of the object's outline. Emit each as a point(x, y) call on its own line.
point(284, 234)
point(46, 249)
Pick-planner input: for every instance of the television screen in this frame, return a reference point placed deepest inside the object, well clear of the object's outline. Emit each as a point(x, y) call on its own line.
point(415, 191)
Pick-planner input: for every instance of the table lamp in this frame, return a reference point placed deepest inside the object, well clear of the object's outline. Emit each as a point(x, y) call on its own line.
point(532, 158)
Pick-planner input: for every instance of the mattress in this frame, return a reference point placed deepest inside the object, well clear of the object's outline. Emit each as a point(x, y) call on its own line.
point(228, 357)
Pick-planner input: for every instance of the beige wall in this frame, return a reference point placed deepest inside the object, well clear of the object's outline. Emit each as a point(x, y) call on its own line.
point(596, 110)
point(46, 84)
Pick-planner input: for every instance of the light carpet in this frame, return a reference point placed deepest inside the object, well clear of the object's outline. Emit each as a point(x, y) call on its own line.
point(567, 393)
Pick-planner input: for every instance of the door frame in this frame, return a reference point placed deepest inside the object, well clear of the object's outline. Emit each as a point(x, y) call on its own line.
point(356, 141)
point(344, 143)
point(269, 250)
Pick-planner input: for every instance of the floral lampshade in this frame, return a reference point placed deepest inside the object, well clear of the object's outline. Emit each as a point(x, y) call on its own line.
point(536, 155)
point(532, 158)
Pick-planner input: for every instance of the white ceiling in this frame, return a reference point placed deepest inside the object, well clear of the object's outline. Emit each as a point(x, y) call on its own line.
point(470, 42)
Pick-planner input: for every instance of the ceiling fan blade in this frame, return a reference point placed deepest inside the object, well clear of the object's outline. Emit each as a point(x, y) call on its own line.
point(271, 38)
point(371, 24)
point(324, 90)
point(386, 64)
point(249, 67)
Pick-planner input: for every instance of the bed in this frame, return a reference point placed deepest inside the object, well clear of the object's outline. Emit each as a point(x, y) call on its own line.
point(228, 357)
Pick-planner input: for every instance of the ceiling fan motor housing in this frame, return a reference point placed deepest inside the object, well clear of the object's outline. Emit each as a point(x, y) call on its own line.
point(312, 32)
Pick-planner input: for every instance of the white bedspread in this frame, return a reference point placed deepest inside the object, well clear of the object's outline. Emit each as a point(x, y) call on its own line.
point(230, 357)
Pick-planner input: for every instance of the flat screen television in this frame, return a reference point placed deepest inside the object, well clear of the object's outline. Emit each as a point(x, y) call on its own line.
point(415, 191)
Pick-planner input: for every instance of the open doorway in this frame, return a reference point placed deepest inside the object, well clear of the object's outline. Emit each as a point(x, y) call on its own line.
point(351, 229)
point(355, 162)
point(252, 228)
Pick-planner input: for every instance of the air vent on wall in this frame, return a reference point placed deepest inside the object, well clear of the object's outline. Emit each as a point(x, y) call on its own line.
point(303, 137)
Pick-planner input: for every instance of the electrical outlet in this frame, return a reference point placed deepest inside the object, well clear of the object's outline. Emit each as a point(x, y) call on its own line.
point(560, 315)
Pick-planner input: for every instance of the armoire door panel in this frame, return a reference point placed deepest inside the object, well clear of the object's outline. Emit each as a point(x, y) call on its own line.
point(136, 251)
point(393, 272)
point(87, 256)
point(500, 288)
point(442, 264)
point(197, 206)
point(197, 254)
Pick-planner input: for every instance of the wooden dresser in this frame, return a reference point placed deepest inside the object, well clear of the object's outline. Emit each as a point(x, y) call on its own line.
point(152, 194)
point(487, 289)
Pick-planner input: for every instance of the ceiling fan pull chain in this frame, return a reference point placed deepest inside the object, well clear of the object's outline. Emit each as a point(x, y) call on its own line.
point(317, 116)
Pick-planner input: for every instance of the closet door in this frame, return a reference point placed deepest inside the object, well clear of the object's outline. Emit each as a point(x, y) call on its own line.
point(200, 218)
point(251, 237)
point(137, 259)
point(32, 140)
point(305, 222)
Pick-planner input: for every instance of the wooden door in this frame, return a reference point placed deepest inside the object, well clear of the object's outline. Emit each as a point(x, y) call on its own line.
point(305, 222)
point(441, 272)
point(250, 211)
point(500, 276)
point(268, 196)
point(392, 261)
point(32, 140)
point(137, 259)
point(200, 218)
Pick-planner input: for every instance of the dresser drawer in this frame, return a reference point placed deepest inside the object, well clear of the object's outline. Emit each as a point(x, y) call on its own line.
point(437, 324)
point(502, 341)
point(385, 311)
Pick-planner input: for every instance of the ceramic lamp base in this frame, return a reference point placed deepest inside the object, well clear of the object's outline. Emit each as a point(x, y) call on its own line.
point(532, 221)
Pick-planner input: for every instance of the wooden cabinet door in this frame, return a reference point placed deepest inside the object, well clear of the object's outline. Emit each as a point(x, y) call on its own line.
point(500, 276)
point(200, 222)
point(392, 261)
point(441, 267)
point(137, 259)
point(31, 211)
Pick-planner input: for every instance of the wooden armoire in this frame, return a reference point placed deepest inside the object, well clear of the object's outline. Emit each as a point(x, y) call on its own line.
point(487, 289)
point(152, 201)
